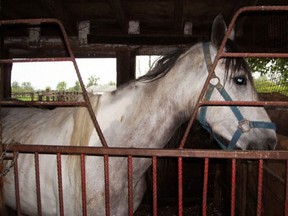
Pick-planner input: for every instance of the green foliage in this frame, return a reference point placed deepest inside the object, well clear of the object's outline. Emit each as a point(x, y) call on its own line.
point(48, 88)
point(274, 74)
point(111, 83)
point(61, 86)
point(24, 87)
point(92, 80)
point(76, 87)
point(264, 85)
point(15, 86)
point(270, 67)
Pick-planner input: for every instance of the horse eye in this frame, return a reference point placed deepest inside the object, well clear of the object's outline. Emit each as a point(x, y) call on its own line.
point(240, 80)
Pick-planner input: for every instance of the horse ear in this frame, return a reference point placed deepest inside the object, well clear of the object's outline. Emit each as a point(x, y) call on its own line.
point(219, 29)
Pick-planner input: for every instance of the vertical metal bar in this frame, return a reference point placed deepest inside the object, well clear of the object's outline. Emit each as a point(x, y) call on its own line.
point(286, 195)
point(107, 193)
point(2, 204)
point(130, 186)
point(38, 188)
point(180, 187)
point(154, 184)
point(16, 180)
point(260, 186)
point(60, 187)
point(205, 187)
point(83, 185)
point(233, 187)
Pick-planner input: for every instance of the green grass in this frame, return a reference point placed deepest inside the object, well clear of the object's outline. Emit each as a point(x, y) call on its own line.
point(265, 86)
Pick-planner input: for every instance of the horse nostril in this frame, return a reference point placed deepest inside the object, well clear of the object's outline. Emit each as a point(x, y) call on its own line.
point(268, 144)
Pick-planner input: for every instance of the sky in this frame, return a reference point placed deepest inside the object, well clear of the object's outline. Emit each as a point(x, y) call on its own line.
point(49, 74)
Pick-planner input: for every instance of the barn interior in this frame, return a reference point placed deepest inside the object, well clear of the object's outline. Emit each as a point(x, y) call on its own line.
point(124, 29)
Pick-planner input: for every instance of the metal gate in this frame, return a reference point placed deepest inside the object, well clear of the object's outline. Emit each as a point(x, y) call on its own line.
point(154, 154)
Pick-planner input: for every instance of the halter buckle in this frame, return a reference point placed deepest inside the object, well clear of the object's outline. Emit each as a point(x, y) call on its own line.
point(244, 125)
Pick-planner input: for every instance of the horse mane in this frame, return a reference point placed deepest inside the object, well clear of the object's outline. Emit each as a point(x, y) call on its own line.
point(164, 64)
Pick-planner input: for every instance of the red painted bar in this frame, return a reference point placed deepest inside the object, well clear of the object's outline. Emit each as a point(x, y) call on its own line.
point(130, 185)
point(260, 187)
point(16, 180)
point(286, 197)
point(205, 187)
point(180, 187)
point(107, 193)
point(154, 186)
point(83, 183)
point(60, 187)
point(38, 188)
point(233, 187)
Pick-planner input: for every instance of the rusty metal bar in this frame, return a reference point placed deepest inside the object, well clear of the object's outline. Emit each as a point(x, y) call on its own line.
point(112, 151)
point(107, 193)
point(20, 60)
point(71, 58)
point(42, 103)
point(83, 185)
point(205, 187)
point(260, 187)
point(203, 103)
point(38, 188)
point(244, 103)
point(60, 186)
point(222, 54)
point(1, 163)
point(16, 180)
point(233, 187)
point(286, 194)
point(180, 187)
point(130, 185)
point(256, 55)
point(154, 185)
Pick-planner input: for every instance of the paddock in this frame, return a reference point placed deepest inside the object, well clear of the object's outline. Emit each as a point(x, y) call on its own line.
point(184, 180)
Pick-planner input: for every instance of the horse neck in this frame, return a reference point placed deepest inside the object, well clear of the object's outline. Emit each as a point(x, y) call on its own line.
point(181, 87)
point(164, 104)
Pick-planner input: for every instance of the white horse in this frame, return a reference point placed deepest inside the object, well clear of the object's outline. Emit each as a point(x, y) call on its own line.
point(142, 114)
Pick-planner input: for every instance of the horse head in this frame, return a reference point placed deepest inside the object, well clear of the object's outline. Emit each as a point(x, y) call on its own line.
point(246, 127)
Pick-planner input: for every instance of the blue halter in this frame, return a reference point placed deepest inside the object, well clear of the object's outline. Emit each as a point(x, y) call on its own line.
point(244, 125)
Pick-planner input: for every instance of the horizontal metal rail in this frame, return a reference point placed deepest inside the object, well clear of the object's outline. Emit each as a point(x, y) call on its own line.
point(70, 58)
point(144, 152)
point(42, 103)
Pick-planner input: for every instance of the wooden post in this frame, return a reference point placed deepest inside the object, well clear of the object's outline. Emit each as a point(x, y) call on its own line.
point(5, 80)
point(125, 66)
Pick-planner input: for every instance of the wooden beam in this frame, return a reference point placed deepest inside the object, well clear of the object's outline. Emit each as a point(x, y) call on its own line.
point(56, 9)
point(53, 47)
point(120, 14)
point(178, 16)
point(142, 39)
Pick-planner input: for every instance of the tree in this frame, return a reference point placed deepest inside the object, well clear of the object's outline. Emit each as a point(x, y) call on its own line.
point(76, 87)
point(48, 89)
point(27, 87)
point(15, 87)
point(111, 83)
point(92, 80)
point(61, 86)
point(270, 67)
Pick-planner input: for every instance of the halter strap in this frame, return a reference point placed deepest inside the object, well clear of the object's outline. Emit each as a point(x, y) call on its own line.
point(244, 125)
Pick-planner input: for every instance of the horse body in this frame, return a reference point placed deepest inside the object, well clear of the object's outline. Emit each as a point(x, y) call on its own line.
point(139, 114)
point(125, 121)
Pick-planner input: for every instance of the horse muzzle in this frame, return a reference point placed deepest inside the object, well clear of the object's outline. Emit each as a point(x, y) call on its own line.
point(268, 144)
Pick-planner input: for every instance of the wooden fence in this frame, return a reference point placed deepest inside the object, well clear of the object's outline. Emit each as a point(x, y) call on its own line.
point(47, 96)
